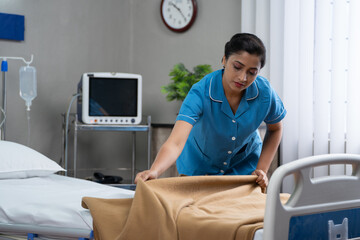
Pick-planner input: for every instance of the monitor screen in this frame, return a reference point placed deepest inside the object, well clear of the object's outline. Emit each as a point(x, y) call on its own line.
point(111, 97)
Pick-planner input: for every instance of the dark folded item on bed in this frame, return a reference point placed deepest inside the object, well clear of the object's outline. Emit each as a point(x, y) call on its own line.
point(200, 207)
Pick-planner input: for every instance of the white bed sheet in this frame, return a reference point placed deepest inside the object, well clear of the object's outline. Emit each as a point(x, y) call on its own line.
point(53, 200)
point(258, 234)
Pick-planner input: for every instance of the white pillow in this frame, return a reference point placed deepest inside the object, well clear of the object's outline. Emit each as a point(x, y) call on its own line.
point(19, 161)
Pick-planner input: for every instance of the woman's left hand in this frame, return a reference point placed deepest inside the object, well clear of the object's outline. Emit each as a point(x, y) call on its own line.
point(262, 179)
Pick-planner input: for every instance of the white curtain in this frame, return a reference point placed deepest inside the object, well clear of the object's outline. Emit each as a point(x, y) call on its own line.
point(314, 65)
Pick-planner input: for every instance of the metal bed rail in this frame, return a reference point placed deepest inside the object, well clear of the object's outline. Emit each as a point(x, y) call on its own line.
point(32, 231)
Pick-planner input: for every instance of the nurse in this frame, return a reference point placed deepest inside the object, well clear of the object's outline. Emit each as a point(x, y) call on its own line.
point(215, 132)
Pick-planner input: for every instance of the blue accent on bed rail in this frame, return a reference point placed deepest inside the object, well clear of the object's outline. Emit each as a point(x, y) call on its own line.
point(316, 226)
point(91, 236)
point(31, 236)
point(12, 26)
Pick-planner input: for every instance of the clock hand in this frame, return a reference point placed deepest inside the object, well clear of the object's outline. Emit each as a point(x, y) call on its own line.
point(174, 5)
point(177, 8)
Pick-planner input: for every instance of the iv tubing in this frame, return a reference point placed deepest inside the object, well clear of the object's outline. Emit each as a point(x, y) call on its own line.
point(66, 131)
point(4, 117)
point(28, 120)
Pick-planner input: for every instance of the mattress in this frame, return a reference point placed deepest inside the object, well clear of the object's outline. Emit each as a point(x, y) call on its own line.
point(53, 200)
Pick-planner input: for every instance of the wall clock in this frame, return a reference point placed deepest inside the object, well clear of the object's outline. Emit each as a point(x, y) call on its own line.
point(178, 15)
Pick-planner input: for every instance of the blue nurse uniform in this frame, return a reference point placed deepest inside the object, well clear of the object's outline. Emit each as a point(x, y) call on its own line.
point(221, 142)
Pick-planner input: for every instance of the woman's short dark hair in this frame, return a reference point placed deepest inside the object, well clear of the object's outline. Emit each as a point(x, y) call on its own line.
point(246, 42)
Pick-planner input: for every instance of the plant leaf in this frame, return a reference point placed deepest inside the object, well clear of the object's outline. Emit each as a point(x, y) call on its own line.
point(182, 80)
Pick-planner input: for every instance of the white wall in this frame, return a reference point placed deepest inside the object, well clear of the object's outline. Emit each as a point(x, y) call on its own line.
point(69, 38)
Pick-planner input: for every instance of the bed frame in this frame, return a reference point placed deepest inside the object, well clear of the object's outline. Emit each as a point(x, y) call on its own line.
point(32, 232)
point(323, 208)
point(326, 207)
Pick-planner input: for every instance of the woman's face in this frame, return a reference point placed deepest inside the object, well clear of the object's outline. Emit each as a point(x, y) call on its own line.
point(240, 71)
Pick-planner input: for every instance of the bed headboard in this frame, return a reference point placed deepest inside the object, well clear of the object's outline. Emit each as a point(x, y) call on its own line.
point(311, 195)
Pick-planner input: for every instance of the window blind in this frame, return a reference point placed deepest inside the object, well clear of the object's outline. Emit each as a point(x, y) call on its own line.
point(313, 53)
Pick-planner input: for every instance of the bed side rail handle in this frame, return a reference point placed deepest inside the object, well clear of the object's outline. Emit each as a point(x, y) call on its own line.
point(277, 215)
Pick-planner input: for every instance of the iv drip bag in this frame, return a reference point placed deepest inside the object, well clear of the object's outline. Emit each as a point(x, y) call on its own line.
point(28, 84)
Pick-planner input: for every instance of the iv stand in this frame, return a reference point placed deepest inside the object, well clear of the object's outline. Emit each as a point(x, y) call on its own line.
point(2, 129)
point(4, 69)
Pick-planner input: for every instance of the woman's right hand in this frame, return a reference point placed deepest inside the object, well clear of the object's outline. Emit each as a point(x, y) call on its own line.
point(146, 175)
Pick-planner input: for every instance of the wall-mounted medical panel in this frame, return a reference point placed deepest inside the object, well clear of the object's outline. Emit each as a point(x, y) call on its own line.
point(12, 26)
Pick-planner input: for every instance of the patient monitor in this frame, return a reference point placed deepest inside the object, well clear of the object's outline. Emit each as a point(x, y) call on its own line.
point(110, 98)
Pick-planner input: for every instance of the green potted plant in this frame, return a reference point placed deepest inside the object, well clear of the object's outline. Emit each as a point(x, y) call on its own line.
point(182, 80)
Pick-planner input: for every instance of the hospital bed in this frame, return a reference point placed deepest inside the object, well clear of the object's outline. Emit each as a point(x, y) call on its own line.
point(331, 204)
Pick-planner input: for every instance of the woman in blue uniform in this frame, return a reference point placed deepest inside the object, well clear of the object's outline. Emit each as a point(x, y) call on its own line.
point(215, 132)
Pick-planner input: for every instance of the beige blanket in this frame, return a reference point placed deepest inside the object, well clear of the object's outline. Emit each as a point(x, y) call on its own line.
point(184, 208)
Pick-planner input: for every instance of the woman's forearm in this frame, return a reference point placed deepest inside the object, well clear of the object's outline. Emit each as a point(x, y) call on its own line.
point(172, 148)
point(270, 146)
point(166, 157)
point(168, 153)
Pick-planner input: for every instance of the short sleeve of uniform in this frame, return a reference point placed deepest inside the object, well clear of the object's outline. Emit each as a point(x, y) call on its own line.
point(192, 107)
point(277, 110)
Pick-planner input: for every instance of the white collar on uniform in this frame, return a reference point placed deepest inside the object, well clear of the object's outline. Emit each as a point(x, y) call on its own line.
point(216, 89)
